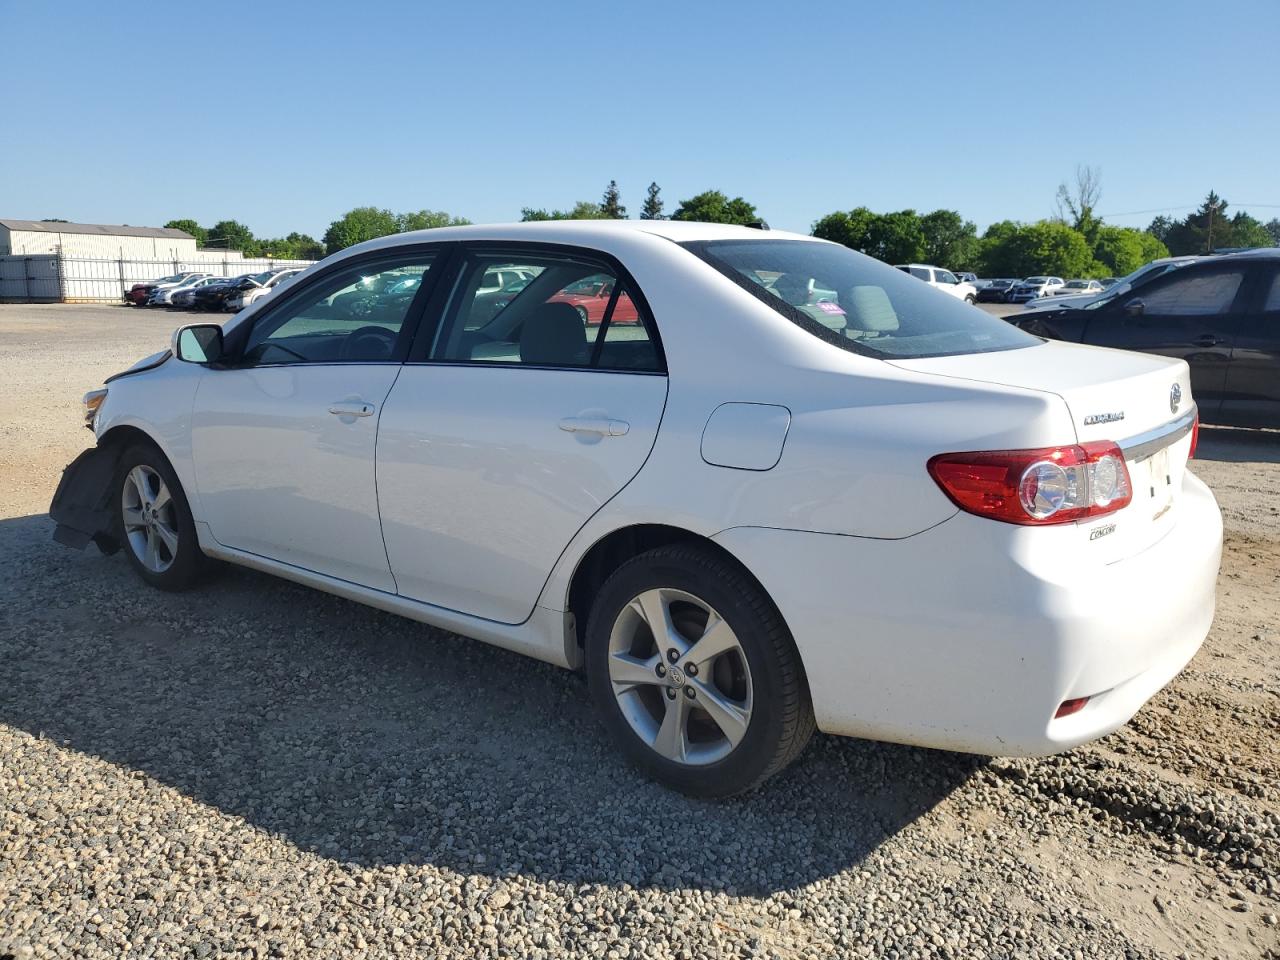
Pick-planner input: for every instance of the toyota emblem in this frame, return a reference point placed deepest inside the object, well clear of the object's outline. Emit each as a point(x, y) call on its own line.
point(1175, 398)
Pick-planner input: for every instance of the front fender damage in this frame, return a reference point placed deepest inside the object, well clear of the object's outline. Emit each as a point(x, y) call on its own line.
point(81, 505)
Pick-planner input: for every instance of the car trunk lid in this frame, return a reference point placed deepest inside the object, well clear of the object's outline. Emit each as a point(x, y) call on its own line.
point(1139, 401)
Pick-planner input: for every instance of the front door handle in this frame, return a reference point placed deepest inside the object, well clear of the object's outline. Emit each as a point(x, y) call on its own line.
point(601, 425)
point(1207, 340)
point(352, 408)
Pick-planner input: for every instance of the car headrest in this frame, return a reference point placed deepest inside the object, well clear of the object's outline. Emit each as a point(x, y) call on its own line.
point(871, 309)
point(553, 334)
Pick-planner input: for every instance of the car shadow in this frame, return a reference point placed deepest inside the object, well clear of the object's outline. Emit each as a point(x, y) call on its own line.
point(373, 740)
point(1238, 445)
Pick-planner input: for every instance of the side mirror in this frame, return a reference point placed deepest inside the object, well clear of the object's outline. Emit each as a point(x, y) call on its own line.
point(1135, 307)
point(198, 343)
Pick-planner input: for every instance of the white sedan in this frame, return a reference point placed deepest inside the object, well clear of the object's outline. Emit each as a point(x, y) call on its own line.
point(884, 513)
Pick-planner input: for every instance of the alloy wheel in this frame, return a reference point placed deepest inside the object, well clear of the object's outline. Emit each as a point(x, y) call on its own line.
point(680, 676)
point(150, 521)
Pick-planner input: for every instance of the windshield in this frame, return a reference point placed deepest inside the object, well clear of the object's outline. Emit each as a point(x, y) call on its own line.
point(857, 303)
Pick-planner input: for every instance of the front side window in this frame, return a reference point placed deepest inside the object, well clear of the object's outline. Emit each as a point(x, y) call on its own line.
point(553, 311)
point(857, 303)
point(1199, 295)
point(354, 315)
point(945, 276)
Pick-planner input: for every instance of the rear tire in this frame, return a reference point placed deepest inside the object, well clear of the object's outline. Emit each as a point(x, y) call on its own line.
point(715, 701)
point(153, 520)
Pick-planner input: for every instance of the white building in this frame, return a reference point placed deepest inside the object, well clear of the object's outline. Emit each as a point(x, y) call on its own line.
point(45, 261)
point(27, 238)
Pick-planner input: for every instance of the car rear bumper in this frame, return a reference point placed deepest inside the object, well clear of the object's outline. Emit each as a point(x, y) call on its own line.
point(969, 636)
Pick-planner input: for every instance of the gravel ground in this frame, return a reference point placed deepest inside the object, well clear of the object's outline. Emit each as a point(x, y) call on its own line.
point(256, 769)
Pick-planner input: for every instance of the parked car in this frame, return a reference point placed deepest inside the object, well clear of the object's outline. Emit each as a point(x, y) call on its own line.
point(255, 287)
point(907, 521)
point(590, 298)
point(1140, 276)
point(162, 294)
point(139, 293)
point(996, 291)
point(1221, 315)
point(1080, 288)
point(970, 278)
point(183, 297)
point(1034, 287)
point(214, 295)
point(940, 279)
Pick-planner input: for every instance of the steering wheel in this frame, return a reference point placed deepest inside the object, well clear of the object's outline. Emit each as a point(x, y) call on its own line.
point(369, 343)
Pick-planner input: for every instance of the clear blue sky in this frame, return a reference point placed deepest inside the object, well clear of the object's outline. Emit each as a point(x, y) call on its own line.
point(284, 115)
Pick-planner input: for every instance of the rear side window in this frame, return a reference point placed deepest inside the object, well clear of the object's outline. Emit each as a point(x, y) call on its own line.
point(1272, 303)
point(857, 303)
point(920, 273)
point(553, 311)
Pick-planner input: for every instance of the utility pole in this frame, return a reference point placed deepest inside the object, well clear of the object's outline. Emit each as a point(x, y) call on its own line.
point(1212, 208)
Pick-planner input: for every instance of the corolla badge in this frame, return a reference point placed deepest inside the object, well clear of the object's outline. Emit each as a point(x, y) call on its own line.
point(1112, 417)
point(1175, 398)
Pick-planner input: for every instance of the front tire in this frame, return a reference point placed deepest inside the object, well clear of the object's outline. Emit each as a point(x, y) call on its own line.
point(153, 520)
point(694, 673)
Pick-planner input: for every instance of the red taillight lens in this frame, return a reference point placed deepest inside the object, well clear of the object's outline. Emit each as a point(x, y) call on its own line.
point(1048, 485)
point(1195, 437)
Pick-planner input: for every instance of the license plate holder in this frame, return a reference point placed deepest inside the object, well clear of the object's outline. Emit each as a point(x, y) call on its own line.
point(1159, 486)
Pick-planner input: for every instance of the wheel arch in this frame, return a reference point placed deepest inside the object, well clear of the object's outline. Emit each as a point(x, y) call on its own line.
point(618, 546)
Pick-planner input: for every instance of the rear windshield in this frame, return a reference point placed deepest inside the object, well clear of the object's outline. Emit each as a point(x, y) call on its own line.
point(858, 303)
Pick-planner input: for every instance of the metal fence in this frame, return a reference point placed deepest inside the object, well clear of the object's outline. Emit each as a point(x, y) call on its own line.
point(52, 278)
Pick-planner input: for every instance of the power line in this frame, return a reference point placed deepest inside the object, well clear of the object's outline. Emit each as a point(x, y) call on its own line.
point(1187, 206)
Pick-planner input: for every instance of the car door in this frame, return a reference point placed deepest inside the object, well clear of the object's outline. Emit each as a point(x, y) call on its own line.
point(1252, 396)
point(1193, 314)
point(283, 438)
point(512, 423)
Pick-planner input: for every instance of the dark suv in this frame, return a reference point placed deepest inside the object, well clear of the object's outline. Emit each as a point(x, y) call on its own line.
point(1220, 314)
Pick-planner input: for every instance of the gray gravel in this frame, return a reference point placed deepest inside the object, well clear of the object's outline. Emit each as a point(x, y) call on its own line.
point(256, 769)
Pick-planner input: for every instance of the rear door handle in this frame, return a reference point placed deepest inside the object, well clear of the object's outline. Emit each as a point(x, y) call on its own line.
point(601, 425)
point(351, 408)
point(1207, 340)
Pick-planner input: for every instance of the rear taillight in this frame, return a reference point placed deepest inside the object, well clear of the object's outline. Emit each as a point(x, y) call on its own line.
point(1033, 487)
point(1195, 437)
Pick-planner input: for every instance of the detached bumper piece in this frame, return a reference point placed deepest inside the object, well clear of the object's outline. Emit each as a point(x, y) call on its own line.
point(81, 507)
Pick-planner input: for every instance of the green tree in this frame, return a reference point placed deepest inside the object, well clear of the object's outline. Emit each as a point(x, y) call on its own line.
point(949, 240)
point(427, 220)
point(1152, 247)
point(582, 210)
point(1247, 231)
point(1203, 230)
point(896, 237)
point(1161, 227)
point(1076, 203)
point(853, 229)
point(1272, 227)
point(358, 225)
point(296, 246)
point(232, 235)
point(191, 227)
point(1120, 249)
point(652, 209)
point(611, 203)
point(712, 206)
point(1047, 247)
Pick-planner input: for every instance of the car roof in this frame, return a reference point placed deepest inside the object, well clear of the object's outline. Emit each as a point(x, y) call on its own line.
point(568, 231)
